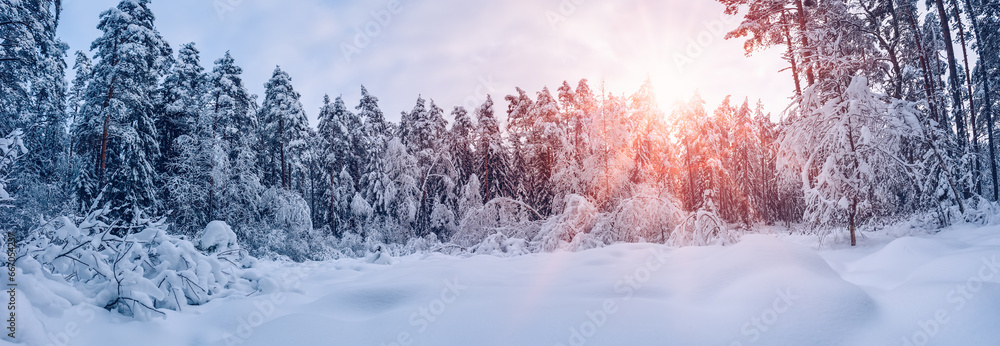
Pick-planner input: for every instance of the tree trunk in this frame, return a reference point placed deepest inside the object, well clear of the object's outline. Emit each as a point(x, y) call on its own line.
point(928, 84)
point(281, 148)
point(333, 203)
point(852, 214)
point(892, 53)
point(988, 111)
point(972, 104)
point(211, 161)
point(929, 91)
point(806, 58)
point(312, 190)
point(953, 76)
point(486, 172)
point(104, 135)
point(791, 55)
point(852, 219)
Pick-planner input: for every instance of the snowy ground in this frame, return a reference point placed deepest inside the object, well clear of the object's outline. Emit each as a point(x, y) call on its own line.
point(941, 289)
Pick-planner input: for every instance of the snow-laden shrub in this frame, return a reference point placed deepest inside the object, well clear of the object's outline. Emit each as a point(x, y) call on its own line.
point(576, 221)
point(641, 218)
point(499, 244)
point(216, 237)
point(703, 227)
point(137, 268)
point(982, 211)
point(442, 219)
point(511, 217)
point(287, 230)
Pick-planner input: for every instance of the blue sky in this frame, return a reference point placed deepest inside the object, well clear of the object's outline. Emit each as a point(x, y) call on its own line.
point(455, 51)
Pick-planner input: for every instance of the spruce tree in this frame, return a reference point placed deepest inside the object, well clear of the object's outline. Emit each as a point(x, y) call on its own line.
point(493, 164)
point(116, 131)
point(229, 109)
point(83, 69)
point(179, 101)
point(285, 132)
point(33, 99)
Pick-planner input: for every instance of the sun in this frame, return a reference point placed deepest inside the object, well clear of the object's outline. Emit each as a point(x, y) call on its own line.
point(670, 86)
point(669, 90)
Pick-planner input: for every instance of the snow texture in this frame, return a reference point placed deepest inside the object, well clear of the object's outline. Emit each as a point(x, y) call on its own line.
point(940, 289)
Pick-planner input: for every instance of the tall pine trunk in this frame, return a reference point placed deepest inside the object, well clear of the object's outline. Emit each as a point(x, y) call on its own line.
point(104, 135)
point(956, 92)
point(333, 204)
point(987, 97)
point(281, 148)
point(211, 161)
point(791, 55)
point(929, 92)
point(806, 54)
point(896, 69)
point(972, 104)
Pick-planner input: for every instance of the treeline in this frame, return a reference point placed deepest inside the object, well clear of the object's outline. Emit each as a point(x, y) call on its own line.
point(875, 133)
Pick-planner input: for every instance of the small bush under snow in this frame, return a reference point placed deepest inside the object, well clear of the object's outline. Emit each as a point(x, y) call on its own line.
point(217, 237)
point(137, 268)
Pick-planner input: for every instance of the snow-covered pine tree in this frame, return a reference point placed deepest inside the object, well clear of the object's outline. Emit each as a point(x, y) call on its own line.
point(744, 165)
point(286, 130)
point(343, 219)
point(326, 136)
point(493, 164)
point(32, 98)
point(316, 170)
point(394, 193)
point(373, 134)
point(954, 82)
point(589, 125)
point(542, 142)
point(190, 180)
point(768, 23)
point(230, 106)
point(648, 135)
point(766, 200)
point(116, 132)
point(519, 126)
point(424, 131)
point(337, 127)
point(28, 66)
point(83, 69)
point(179, 102)
point(716, 151)
point(411, 130)
point(187, 165)
point(373, 137)
point(568, 173)
point(461, 138)
point(690, 122)
point(847, 152)
point(985, 24)
point(613, 161)
point(470, 197)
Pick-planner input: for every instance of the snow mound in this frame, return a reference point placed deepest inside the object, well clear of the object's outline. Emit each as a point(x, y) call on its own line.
point(217, 237)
